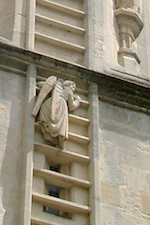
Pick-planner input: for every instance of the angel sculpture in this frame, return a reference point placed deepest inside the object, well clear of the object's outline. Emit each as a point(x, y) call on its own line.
point(55, 99)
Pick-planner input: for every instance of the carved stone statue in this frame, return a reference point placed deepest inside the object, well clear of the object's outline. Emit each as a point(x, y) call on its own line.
point(55, 99)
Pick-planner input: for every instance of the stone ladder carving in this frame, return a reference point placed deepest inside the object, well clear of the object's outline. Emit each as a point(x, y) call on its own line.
point(59, 29)
point(72, 179)
point(130, 24)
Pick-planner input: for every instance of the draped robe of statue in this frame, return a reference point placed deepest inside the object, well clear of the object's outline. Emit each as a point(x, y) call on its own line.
point(53, 114)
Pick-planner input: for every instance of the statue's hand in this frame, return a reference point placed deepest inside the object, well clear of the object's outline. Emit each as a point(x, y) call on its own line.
point(40, 84)
point(77, 97)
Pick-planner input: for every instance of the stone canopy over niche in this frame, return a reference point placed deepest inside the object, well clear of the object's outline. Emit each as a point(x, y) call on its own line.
point(135, 5)
point(130, 25)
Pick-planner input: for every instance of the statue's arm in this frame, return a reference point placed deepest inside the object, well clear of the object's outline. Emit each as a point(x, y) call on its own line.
point(73, 102)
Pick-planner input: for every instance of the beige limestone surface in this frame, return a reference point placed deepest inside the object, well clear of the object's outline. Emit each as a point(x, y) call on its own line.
point(83, 33)
point(125, 168)
point(11, 118)
point(79, 32)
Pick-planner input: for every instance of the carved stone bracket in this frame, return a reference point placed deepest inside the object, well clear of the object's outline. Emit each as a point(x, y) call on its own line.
point(130, 25)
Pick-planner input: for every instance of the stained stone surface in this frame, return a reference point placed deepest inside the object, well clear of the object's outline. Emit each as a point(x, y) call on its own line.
point(11, 117)
point(124, 134)
point(125, 167)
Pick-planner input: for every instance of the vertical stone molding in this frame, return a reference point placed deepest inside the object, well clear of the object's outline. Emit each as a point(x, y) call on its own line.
point(94, 154)
point(130, 25)
point(28, 143)
point(30, 28)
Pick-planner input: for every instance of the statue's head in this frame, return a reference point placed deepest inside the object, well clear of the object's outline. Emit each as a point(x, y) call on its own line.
point(70, 84)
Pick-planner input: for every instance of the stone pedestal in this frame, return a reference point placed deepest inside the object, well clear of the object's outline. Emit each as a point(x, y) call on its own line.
point(130, 25)
point(128, 58)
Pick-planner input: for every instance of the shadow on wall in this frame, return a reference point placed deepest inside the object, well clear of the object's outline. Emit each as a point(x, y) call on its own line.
point(11, 114)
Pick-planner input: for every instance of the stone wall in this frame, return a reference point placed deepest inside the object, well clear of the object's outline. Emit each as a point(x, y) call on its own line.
point(124, 139)
point(60, 28)
point(7, 10)
point(11, 111)
point(125, 167)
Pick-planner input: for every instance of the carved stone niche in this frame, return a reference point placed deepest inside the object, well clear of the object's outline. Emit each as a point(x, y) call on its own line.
point(130, 25)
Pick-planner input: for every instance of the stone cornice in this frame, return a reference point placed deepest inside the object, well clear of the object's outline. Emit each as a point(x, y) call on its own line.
point(113, 88)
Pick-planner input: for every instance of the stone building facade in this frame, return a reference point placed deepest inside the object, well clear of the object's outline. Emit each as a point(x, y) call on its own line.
point(102, 176)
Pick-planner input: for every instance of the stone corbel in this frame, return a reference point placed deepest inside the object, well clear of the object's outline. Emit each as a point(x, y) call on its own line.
point(130, 25)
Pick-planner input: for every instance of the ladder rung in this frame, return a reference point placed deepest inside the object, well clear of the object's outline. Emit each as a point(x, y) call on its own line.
point(60, 156)
point(84, 104)
point(59, 42)
point(44, 218)
point(40, 52)
point(78, 138)
point(59, 24)
point(61, 180)
point(60, 204)
point(79, 120)
point(61, 8)
point(37, 221)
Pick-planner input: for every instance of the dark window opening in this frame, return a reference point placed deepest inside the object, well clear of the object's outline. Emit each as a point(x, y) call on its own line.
point(55, 168)
point(55, 192)
point(57, 212)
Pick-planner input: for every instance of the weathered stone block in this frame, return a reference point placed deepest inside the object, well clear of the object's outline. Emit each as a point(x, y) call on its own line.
point(11, 118)
point(145, 202)
point(110, 194)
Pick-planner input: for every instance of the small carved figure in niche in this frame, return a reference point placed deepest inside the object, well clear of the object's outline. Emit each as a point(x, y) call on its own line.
point(55, 99)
